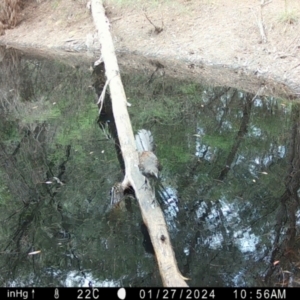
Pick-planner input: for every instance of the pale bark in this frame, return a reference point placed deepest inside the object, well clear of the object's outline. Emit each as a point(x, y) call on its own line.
point(151, 211)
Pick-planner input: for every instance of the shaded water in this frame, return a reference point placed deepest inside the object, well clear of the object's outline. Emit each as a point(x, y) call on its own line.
point(228, 188)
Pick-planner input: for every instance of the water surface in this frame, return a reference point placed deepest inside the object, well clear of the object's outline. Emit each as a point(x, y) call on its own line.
point(228, 188)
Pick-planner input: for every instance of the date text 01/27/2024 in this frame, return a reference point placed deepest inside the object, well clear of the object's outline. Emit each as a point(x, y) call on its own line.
point(194, 293)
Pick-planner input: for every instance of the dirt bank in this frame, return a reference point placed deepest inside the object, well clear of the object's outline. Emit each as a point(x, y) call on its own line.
point(218, 42)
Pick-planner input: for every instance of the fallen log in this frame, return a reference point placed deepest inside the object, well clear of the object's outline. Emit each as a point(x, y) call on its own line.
point(151, 212)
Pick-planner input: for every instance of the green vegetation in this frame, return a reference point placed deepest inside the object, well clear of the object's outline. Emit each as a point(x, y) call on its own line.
point(289, 16)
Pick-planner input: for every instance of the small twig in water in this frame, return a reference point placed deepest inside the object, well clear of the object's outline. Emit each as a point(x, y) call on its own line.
point(101, 98)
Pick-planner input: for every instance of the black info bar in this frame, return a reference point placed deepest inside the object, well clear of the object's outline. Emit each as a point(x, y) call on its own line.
point(149, 293)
